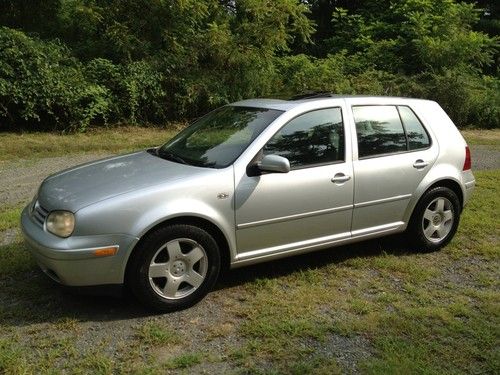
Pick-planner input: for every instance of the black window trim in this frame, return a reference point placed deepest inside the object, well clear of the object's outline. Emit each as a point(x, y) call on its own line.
point(404, 130)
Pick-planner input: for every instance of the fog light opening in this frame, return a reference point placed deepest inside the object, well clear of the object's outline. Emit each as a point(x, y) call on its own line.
point(52, 275)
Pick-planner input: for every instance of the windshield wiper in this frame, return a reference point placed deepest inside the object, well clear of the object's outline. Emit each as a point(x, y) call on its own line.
point(172, 157)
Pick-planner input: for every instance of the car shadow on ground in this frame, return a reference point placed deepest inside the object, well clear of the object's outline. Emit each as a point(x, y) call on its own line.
point(32, 298)
point(394, 245)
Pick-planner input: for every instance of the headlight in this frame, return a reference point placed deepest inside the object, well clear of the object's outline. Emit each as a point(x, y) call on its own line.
point(61, 223)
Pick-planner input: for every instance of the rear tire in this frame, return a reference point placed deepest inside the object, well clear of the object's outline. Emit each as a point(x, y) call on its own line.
point(435, 219)
point(174, 267)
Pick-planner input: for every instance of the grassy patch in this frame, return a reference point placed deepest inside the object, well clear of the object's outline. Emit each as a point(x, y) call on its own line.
point(156, 333)
point(479, 231)
point(184, 361)
point(10, 216)
point(482, 137)
point(114, 140)
point(15, 259)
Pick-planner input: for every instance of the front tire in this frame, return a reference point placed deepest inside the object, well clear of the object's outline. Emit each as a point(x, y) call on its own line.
point(174, 267)
point(435, 219)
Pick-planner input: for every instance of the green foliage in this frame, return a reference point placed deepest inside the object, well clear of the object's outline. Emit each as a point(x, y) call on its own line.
point(137, 93)
point(42, 86)
point(468, 98)
point(71, 64)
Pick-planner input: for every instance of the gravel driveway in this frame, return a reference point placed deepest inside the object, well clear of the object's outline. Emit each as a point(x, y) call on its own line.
point(20, 179)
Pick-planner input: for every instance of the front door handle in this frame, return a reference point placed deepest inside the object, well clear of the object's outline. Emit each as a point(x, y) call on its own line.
point(419, 164)
point(340, 178)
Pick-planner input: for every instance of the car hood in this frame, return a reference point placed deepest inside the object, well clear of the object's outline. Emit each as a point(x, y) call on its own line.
point(80, 186)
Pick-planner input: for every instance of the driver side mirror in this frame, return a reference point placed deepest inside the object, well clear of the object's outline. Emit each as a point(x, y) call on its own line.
point(274, 163)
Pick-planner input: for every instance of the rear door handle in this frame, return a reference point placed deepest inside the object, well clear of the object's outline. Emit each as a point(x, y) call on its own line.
point(419, 164)
point(340, 178)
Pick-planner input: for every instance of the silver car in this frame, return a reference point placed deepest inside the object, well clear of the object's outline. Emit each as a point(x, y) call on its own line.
point(252, 181)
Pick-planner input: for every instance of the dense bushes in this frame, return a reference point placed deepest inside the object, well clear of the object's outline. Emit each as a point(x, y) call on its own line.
point(43, 87)
point(136, 91)
point(80, 63)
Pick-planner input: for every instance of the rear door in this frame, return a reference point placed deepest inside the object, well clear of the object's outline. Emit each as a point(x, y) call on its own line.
point(393, 153)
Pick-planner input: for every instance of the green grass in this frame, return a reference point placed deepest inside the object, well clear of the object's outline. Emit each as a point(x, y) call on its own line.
point(482, 137)
point(376, 304)
point(9, 217)
point(14, 146)
point(156, 333)
point(184, 361)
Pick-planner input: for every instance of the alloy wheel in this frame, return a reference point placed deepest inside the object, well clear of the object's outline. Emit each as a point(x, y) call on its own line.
point(178, 268)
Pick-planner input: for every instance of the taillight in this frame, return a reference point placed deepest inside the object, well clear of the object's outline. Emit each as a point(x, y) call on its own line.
point(467, 162)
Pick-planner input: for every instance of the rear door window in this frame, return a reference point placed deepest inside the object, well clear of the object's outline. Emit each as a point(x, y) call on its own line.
point(379, 130)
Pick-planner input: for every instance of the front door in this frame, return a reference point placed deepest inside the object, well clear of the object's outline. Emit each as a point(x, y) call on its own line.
point(311, 204)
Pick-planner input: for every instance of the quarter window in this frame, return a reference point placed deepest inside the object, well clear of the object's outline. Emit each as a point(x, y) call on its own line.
point(417, 136)
point(379, 130)
point(316, 137)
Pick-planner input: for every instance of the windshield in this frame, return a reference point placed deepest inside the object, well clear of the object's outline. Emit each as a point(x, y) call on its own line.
point(218, 139)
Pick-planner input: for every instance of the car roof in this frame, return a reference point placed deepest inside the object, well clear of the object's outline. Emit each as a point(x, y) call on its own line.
point(285, 105)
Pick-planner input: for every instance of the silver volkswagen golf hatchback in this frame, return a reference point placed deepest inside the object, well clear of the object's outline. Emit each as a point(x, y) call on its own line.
point(252, 181)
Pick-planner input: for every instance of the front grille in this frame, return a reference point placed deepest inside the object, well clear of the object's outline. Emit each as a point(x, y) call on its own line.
point(39, 214)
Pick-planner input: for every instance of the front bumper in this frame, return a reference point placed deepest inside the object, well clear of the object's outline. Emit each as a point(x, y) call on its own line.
point(71, 261)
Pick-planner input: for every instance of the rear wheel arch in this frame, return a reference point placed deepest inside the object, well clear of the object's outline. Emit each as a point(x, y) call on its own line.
point(450, 184)
point(445, 191)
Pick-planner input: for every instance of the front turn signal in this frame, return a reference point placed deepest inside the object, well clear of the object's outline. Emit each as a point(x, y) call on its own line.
point(106, 251)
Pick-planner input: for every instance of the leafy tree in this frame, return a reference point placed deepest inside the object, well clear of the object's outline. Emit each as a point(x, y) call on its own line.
point(76, 63)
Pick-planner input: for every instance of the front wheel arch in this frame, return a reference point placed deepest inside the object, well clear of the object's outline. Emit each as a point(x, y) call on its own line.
point(181, 276)
point(204, 224)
